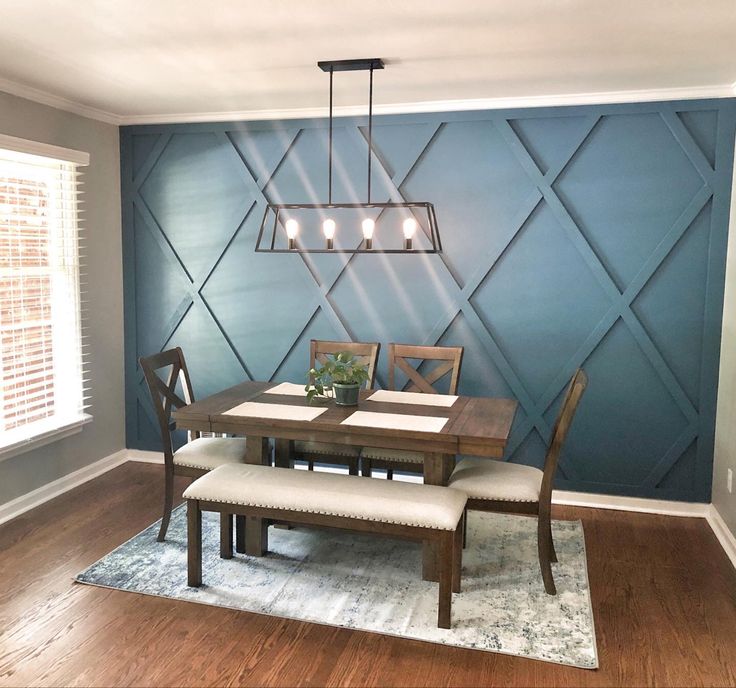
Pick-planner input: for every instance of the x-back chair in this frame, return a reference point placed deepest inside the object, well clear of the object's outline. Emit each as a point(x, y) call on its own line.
point(200, 454)
point(517, 489)
point(450, 359)
point(337, 454)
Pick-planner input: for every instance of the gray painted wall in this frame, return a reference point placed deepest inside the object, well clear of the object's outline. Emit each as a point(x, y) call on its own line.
point(25, 472)
point(725, 445)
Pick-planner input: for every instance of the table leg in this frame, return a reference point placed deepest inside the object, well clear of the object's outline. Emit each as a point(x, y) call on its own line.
point(283, 458)
point(256, 451)
point(437, 469)
point(284, 453)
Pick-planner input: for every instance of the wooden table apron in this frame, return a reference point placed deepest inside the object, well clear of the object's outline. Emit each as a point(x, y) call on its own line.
point(477, 426)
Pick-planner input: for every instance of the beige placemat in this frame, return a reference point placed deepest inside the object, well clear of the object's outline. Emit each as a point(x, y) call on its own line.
point(396, 421)
point(275, 411)
point(288, 388)
point(413, 398)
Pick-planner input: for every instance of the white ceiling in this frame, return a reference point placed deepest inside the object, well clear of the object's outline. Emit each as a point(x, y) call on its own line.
point(163, 60)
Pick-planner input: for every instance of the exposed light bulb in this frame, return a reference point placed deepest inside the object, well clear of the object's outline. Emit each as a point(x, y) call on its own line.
point(328, 227)
point(410, 226)
point(292, 228)
point(368, 227)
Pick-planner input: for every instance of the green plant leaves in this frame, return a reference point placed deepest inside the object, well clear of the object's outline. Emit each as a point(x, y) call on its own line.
point(340, 368)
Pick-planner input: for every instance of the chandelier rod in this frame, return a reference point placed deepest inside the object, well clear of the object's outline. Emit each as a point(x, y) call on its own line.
point(329, 164)
point(370, 131)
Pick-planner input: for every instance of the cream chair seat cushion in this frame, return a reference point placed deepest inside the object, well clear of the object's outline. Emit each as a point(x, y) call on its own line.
point(398, 455)
point(348, 496)
point(207, 453)
point(304, 448)
point(497, 480)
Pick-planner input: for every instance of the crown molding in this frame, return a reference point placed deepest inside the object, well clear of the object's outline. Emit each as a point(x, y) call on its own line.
point(516, 102)
point(58, 102)
point(595, 98)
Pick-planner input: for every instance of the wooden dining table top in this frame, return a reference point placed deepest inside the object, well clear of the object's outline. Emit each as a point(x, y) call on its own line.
point(476, 425)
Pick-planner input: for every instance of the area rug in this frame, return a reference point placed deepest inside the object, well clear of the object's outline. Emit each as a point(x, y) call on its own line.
point(374, 584)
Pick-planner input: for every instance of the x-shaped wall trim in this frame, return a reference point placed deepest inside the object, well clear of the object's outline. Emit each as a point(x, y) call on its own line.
point(460, 300)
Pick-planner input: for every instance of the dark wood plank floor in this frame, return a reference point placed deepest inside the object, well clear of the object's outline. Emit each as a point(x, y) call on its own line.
point(664, 597)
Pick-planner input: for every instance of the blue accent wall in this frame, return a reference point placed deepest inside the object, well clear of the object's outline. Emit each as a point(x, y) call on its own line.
point(591, 236)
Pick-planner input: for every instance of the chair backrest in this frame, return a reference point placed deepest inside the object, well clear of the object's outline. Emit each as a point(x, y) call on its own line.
point(163, 392)
point(365, 352)
point(450, 357)
point(569, 406)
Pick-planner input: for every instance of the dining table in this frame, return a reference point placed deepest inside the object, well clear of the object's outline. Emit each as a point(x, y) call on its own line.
point(439, 426)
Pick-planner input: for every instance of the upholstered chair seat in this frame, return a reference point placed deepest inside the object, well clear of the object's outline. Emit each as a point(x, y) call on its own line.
point(398, 455)
point(327, 448)
point(497, 480)
point(207, 453)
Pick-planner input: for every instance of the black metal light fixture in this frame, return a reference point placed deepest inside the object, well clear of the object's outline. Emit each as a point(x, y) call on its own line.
point(279, 217)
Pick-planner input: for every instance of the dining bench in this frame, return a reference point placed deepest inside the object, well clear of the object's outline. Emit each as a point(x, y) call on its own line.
point(265, 495)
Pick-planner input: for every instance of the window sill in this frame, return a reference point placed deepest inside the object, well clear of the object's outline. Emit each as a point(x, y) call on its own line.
point(45, 437)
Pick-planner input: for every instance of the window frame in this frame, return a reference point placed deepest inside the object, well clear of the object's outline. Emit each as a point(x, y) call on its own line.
point(54, 428)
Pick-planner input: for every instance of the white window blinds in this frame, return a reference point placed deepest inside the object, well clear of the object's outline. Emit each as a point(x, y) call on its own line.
point(42, 380)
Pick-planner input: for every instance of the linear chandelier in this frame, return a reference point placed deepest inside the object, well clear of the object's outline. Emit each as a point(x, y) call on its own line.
point(283, 226)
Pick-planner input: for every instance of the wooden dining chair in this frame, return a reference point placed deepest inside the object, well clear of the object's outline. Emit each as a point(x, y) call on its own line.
point(200, 454)
point(399, 356)
point(337, 454)
point(513, 488)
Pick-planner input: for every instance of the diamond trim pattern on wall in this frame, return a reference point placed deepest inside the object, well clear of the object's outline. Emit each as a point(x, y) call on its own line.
point(460, 290)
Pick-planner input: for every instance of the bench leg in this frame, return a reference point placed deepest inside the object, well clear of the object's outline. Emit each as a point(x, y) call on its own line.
point(446, 546)
point(194, 544)
point(226, 535)
point(240, 534)
point(457, 555)
point(256, 536)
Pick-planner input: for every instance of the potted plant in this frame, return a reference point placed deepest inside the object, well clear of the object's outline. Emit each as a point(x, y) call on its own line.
point(340, 376)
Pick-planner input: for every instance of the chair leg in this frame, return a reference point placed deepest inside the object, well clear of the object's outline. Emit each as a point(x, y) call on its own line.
point(310, 465)
point(543, 546)
point(552, 552)
point(457, 554)
point(389, 474)
point(226, 535)
point(366, 468)
point(168, 503)
point(240, 534)
point(465, 529)
point(353, 467)
point(194, 544)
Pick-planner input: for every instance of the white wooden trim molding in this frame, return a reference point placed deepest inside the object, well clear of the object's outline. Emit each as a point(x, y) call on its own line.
point(595, 98)
point(592, 98)
point(46, 150)
point(720, 530)
point(59, 102)
point(26, 502)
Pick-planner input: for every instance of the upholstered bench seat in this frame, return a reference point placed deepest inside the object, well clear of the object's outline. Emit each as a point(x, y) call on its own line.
point(431, 514)
point(206, 453)
point(497, 480)
point(347, 496)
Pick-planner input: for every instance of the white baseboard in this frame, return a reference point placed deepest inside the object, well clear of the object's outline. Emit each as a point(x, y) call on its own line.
point(721, 531)
point(663, 507)
point(143, 456)
point(25, 502)
point(637, 504)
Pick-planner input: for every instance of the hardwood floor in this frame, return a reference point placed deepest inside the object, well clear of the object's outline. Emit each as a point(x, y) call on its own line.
point(664, 598)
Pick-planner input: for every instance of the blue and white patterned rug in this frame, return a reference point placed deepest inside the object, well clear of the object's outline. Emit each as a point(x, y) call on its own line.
point(374, 584)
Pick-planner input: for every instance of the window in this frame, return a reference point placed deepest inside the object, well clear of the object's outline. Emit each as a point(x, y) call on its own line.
point(41, 362)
